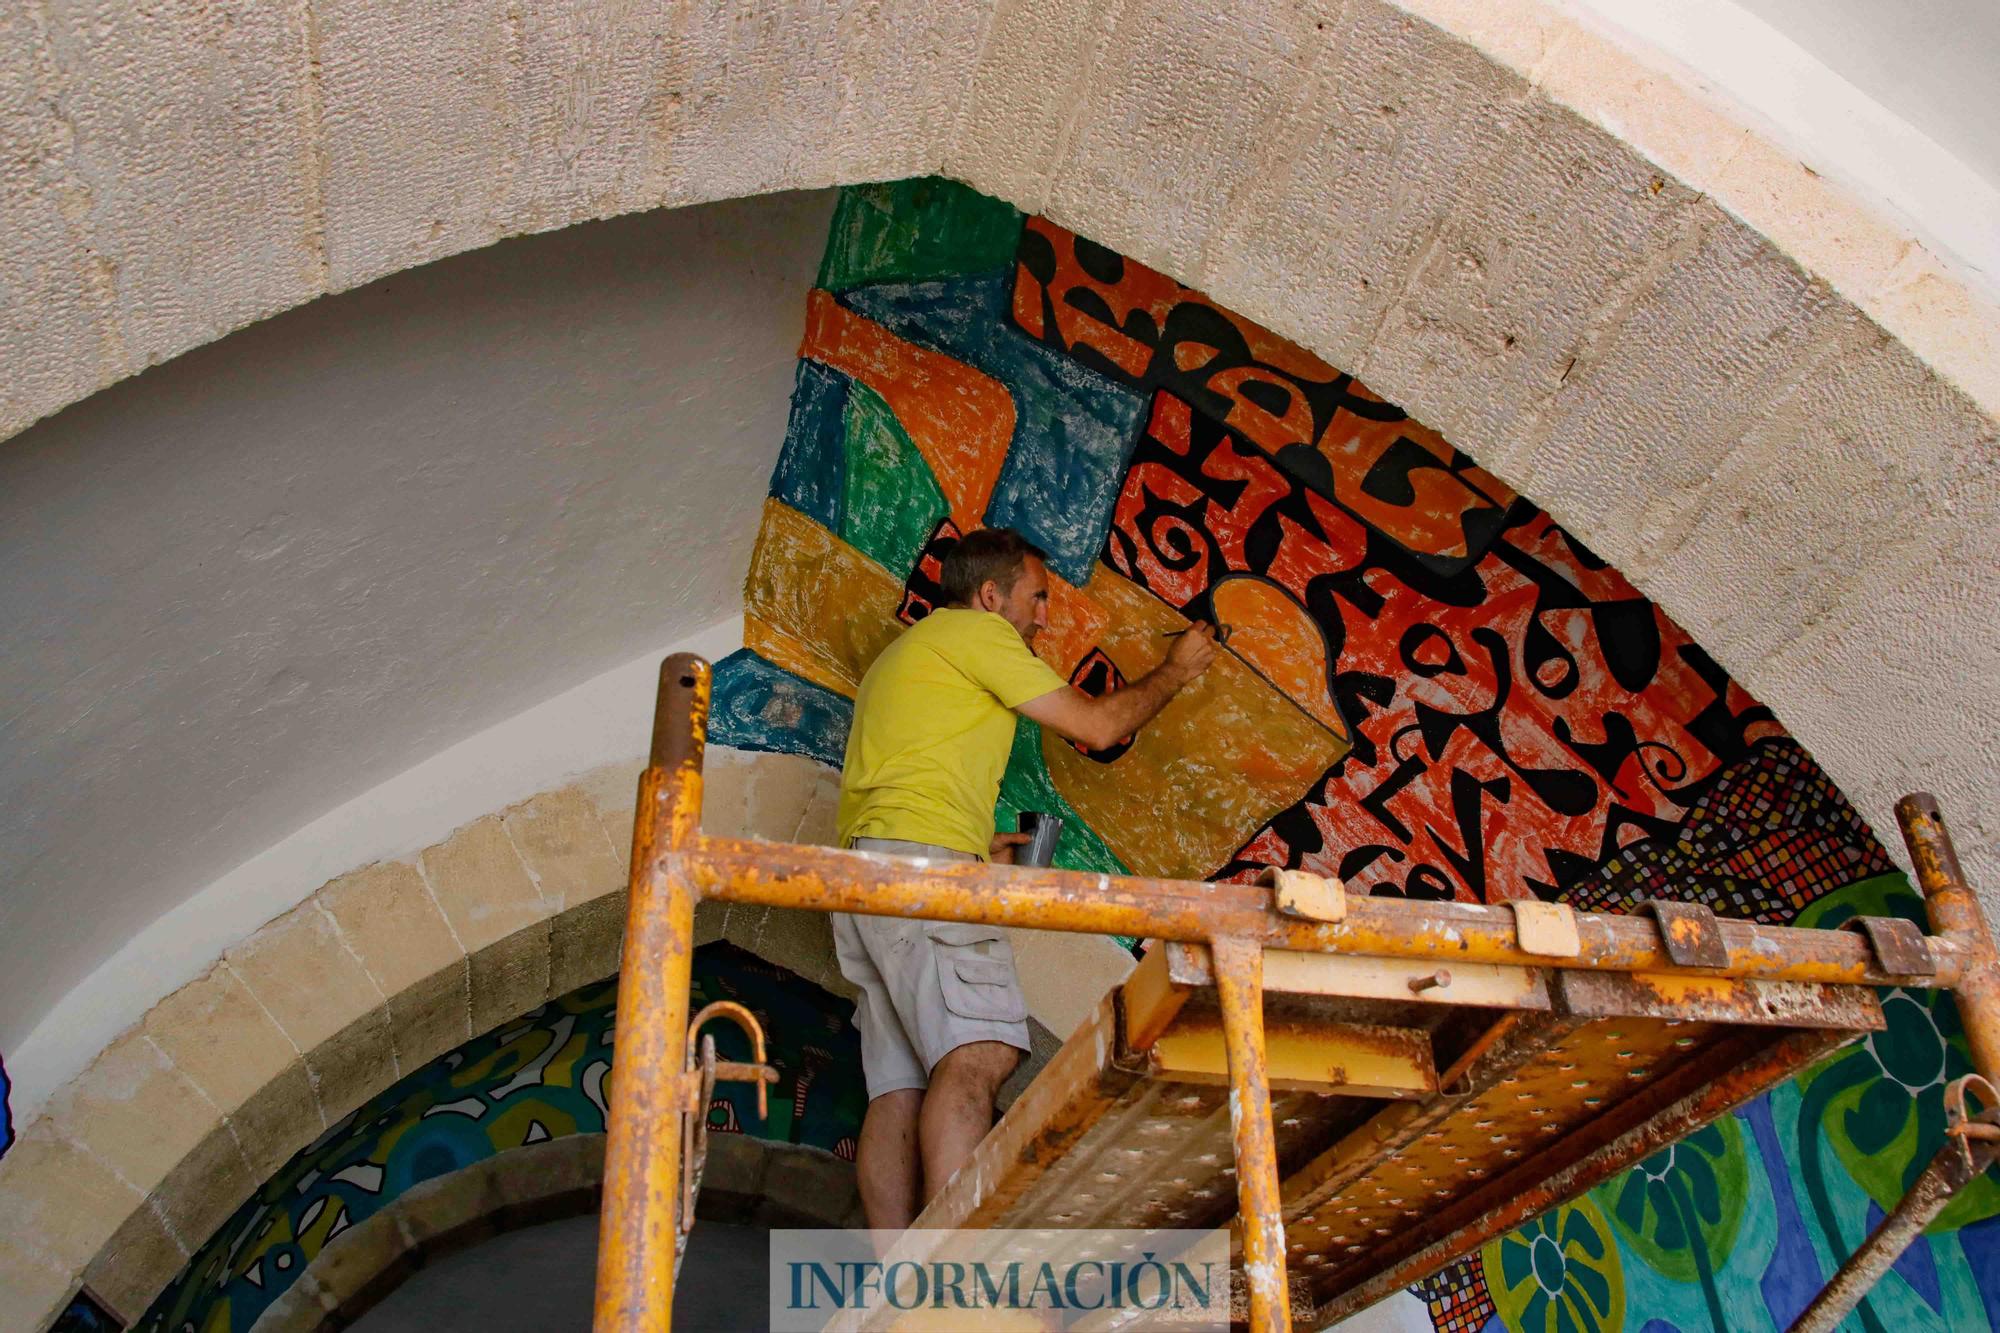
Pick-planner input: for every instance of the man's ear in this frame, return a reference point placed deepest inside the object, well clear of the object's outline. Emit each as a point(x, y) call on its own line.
point(988, 597)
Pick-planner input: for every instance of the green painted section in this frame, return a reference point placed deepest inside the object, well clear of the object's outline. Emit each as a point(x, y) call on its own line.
point(916, 230)
point(890, 502)
point(1881, 1101)
point(1027, 786)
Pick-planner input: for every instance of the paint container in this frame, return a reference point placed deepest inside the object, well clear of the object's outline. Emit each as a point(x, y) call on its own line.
point(1043, 830)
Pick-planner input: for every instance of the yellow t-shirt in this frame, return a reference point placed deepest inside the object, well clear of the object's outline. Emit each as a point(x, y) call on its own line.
point(933, 723)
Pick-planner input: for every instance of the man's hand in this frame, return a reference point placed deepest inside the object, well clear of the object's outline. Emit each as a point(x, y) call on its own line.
point(1192, 651)
point(1001, 850)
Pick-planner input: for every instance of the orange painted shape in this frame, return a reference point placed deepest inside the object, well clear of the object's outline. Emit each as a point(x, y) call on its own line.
point(1278, 415)
point(960, 420)
point(1076, 622)
point(1441, 496)
point(1277, 639)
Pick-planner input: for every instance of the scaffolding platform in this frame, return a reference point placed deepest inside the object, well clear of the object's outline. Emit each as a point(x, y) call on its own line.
point(1362, 1089)
point(1414, 1119)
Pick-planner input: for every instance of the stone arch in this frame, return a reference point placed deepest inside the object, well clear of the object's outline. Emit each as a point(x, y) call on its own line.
point(294, 171)
point(748, 1180)
point(139, 1159)
point(1767, 405)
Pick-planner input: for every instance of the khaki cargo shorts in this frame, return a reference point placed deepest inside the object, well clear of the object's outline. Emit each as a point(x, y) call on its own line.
point(927, 987)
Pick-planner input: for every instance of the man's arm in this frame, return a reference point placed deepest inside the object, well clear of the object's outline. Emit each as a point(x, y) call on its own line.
point(1102, 722)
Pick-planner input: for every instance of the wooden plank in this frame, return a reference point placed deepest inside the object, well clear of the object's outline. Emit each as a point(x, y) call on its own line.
point(1356, 1059)
point(1286, 971)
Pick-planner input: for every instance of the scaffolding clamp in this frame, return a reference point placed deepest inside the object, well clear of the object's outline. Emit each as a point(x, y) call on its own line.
point(1689, 932)
point(1547, 929)
point(1899, 945)
point(701, 1077)
point(1303, 894)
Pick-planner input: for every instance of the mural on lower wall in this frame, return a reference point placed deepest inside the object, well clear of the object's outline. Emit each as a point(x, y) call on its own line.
point(538, 1078)
point(1430, 689)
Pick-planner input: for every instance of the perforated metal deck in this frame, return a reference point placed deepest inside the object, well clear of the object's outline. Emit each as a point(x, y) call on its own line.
point(1405, 1079)
point(1417, 1113)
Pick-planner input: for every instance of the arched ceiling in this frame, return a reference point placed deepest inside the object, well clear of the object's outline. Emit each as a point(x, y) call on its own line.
point(296, 562)
point(249, 585)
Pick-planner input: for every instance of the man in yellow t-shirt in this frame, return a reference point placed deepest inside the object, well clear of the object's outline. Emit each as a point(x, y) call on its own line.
point(941, 1015)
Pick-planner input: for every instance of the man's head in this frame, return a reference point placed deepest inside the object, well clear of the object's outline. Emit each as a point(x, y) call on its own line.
point(999, 570)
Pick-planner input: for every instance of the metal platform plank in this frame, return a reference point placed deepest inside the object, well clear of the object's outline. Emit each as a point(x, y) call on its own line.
point(1418, 1125)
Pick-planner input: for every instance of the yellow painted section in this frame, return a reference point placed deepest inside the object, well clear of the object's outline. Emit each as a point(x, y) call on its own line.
point(1493, 984)
point(814, 605)
point(1149, 999)
point(1372, 1062)
point(1229, 752)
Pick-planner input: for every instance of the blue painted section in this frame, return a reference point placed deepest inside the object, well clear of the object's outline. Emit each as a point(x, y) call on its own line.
point(1981, 1244)
point(1792, 1278)
point(538, 1077)
point(6, 1111)
point(812, 466)
point(759, 706)
point(1074, 429)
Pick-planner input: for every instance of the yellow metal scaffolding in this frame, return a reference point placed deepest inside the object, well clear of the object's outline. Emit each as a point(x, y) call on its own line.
point(1365, 1089)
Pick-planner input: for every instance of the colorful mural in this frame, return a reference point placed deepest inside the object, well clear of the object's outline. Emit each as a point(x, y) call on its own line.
point(536, 1079)
point(1430, 689)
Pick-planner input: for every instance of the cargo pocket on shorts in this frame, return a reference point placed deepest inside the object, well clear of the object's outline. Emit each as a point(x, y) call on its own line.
point(974, 984)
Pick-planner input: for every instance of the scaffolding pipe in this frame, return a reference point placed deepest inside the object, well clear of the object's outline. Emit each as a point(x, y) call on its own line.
point(1955, 1166)
point(1239, 984)
point(1956, 917)
point(825, 879)
point(673, 866)
point(1954, 913)
point(640, 1219)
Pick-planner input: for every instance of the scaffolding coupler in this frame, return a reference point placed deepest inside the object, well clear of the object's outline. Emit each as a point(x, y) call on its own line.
point(1364, 1089)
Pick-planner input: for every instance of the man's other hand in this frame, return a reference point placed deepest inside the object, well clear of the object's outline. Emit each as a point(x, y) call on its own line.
point(1001, 850)
point(1101, 722)
point(1192, 651)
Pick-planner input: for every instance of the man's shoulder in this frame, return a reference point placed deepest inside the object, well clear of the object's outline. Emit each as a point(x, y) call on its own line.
point(941, 636)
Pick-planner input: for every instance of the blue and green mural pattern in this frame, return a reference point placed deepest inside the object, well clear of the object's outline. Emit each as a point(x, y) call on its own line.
point(1430, 689)
point(539, 1078)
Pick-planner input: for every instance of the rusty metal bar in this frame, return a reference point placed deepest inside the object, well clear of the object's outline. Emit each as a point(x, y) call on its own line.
point(1957, 920)
point(1955, 916)
point(638, 1224)
point(673, 866)
point(1239, 982)
point(824, 879)
point(1955, 1166)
